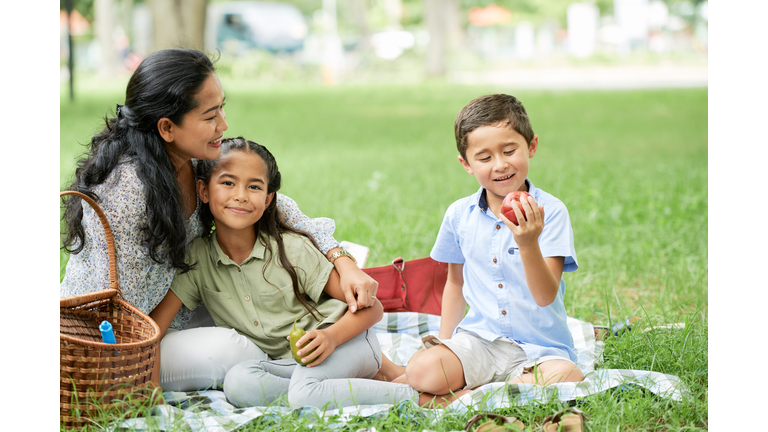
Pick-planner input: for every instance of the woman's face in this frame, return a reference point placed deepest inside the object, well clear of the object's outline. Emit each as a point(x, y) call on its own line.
point(199, 134)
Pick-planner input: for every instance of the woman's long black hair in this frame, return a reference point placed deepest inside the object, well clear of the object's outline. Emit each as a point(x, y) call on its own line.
point(270, 223)
point(165, 84)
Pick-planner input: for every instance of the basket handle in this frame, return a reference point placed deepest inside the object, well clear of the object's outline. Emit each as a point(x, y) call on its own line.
point(107, 232)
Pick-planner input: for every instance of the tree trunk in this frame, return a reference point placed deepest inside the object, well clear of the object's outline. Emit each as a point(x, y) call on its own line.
point(178, 24)
point(434, 17)
point(454, 29)
point(104, 16)
point(126, 17)
point(443, 19)
point(360, 13)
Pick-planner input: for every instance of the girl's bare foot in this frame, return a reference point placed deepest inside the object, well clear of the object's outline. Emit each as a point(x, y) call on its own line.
point(400, 380)
point(389, 371)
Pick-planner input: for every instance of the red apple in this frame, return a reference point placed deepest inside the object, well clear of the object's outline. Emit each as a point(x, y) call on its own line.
point(506, 205)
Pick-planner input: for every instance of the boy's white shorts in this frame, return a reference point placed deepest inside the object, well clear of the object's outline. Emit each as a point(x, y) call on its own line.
point(484, 362)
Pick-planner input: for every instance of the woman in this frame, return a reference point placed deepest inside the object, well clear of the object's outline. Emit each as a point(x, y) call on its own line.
point(140, 169)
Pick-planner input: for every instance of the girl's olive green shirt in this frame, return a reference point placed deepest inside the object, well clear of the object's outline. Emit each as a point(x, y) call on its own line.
point(256, 298)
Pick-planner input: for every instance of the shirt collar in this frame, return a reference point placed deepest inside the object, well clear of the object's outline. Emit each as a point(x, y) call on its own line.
point(258, 251)
point(479, 200)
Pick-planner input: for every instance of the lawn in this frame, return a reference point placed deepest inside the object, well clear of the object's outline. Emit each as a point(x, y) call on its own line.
point(631, 166)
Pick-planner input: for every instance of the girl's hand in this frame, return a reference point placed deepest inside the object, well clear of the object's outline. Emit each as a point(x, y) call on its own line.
point(528, 231)
point(321, 342)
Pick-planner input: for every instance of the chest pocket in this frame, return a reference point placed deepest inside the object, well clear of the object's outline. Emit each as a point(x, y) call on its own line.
point(222, 306)
point(280, 309)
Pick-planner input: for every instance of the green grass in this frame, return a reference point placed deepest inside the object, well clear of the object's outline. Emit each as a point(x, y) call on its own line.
point(631, 166)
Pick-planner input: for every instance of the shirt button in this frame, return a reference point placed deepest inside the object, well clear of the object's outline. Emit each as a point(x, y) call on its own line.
point(238, 269)
point(255, 323)
point(494, 260)
point(501, 285)
point(247, 298)
point(498, 226)
point(504, 312)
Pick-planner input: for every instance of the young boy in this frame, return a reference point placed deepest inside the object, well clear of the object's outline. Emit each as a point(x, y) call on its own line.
point(509, 275)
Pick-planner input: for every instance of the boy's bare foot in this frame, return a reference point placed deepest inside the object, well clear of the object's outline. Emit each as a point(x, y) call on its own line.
point(427, 400)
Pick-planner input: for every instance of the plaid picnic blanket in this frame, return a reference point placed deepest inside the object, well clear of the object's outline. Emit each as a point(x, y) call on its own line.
point(400, 337)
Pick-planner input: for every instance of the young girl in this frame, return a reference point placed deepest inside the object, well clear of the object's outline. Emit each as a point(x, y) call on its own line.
point(257, 275)
point(140, 168)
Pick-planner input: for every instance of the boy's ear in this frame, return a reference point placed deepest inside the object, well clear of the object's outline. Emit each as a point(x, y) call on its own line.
point(466, 165)
point(202, 191)
point(533, 146)
point(269, 199)
point(165, 127)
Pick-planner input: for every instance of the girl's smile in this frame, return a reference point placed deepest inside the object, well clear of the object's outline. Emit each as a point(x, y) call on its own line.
point(237, 193)
point(238, 210)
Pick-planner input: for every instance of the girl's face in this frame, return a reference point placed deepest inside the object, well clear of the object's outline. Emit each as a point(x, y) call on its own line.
point(199, 133)
point(237, 192)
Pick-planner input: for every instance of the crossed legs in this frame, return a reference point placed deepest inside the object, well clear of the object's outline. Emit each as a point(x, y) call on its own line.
point(438, 376)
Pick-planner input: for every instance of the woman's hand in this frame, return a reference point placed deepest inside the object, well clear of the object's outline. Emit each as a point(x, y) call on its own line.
point(321, 342)
point(359, 289)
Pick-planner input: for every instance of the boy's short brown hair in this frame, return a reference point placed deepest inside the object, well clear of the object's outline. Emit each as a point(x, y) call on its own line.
point(491, 110)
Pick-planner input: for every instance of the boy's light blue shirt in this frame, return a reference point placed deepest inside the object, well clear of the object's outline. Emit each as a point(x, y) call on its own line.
point(497, 294)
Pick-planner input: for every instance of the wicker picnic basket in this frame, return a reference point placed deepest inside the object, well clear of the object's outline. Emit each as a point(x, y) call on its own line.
point(96, 376)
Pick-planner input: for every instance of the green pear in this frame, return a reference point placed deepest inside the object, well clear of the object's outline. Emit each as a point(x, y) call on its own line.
point(296, 334)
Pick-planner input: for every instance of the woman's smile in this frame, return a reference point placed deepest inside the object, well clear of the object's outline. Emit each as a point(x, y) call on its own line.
point(216, 143)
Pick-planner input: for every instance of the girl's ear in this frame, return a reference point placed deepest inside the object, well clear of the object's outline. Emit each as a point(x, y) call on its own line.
point(269, 199)
point(165, 127)
point(202, 191)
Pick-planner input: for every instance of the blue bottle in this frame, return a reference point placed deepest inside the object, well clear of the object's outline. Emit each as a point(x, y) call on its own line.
point(107, 335)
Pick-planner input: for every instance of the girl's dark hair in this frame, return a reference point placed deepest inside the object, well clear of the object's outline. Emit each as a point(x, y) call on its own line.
point(165, 84)
point(270, 224)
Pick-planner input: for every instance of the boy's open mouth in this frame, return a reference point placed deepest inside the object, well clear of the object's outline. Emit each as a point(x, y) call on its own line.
point(504, 178)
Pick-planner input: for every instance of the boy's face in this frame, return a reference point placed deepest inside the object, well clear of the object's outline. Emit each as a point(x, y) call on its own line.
point(497, 156)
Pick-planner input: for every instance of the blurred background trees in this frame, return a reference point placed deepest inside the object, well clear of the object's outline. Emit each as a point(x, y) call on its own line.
point(337, 40)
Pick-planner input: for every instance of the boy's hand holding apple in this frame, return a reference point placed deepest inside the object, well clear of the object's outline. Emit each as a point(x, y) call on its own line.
point(523, 217)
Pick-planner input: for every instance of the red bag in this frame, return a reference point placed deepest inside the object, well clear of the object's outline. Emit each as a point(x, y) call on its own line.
point(415, 286)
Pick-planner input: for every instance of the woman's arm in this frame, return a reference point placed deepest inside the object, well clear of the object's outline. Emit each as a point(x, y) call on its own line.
point(163, 315)
point(122, 199)
point(321, 229)
point(325, 341)
point(357, 286)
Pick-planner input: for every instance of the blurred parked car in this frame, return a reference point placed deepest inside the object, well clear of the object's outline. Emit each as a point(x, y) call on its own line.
point(237, 26)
